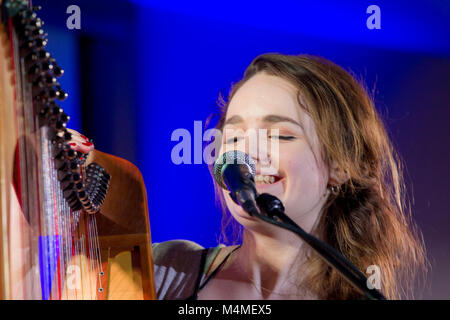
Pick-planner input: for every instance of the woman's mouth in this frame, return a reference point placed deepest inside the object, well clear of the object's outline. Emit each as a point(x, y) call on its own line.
point(270, 180)
point(266, 179)
point(272, 184)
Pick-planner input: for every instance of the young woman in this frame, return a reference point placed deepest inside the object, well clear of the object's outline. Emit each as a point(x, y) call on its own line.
point(337, 175)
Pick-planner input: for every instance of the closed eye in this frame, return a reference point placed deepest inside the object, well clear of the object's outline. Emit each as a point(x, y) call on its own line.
point(233, 140)
point(286, 138)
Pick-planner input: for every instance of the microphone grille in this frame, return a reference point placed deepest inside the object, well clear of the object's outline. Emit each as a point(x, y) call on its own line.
point(232, 157)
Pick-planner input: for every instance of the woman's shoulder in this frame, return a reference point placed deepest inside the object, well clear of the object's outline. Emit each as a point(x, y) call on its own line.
point(174, 249)
point(177, 266)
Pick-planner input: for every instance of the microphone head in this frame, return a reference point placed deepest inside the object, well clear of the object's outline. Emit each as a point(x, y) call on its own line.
point(232, 157)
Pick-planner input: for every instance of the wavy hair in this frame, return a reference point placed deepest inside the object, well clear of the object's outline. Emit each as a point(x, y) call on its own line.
point(369, 220)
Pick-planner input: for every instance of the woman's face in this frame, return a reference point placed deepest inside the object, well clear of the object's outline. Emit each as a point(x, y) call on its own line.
point(294, 172)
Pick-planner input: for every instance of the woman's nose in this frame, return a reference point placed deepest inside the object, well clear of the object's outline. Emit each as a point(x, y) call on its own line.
point(256, 148)
point(253, 142)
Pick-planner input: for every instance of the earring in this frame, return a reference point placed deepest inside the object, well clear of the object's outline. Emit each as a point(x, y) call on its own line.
point(335, 190)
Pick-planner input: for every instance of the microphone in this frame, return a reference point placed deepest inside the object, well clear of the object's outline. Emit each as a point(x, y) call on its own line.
point(234, 171)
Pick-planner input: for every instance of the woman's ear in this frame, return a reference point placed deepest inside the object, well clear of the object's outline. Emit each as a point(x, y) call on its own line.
point(337, 176)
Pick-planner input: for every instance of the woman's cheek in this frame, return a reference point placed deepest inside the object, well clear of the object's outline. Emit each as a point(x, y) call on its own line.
point(304, 184)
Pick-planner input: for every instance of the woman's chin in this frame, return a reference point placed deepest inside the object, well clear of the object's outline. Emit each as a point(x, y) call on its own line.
point(254, 224)
point(276, 189)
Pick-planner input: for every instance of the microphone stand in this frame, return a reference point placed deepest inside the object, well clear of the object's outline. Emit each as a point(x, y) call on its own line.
point(273, 209)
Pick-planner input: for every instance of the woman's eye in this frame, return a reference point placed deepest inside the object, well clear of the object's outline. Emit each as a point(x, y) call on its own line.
point(286, 138)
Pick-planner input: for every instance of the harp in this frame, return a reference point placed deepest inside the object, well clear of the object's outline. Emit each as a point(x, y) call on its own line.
point(71, 226)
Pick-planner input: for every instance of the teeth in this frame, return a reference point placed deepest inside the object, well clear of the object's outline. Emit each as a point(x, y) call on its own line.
point(264, 179)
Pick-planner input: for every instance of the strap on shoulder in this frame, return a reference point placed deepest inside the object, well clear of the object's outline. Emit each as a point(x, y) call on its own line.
point(219, 266)
point(199, 275)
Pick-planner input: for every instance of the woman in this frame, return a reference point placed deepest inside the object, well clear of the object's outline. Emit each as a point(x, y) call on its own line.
point(337, 175)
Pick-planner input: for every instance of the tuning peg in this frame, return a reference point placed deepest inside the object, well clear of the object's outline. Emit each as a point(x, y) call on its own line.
point(59, 123)
point(43, 55)
point(71, 197)
point(60, 155)
point(71, 154)
point(46, 95)
point(76, 177)
point(67, 186)
point(79, 186)
point(40, 42)
point(56, 110)
point(62, 95)
point(68, 165)
point(61, 164)
point(46, 66)
point(73, 165)
point(26, 18)
point(49, 80)
point(27, 43)
point(23, 13)
point(64, 118)
point(38, 68)
point(59, 145)
point(44, 81)
point(51, 113)
point(32, 33)
point(51, 93)
point(29, 21)
point(65, 176)
point(82, 196)
point(39, 23)
point(33, 43)
point(33, 22)
point(34, 71)
point(57, 70)
point(65, 135)
point(45, 110)
point(36, 56)
point(74, 204)
point(27, 13)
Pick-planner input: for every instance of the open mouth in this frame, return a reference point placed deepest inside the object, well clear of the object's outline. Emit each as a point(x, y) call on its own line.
point(266, 179)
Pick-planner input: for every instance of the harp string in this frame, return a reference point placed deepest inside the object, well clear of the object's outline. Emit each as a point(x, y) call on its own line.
point(55, 240)
point(28, 151)
point(98, 258)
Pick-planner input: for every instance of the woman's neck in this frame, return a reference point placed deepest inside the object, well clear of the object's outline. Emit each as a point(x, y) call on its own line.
point(271, 263)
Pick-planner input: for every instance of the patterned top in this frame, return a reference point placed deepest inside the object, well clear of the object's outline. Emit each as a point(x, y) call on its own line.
point(180, 268)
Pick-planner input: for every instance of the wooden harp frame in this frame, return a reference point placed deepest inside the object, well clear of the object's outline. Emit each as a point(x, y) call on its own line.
point(122, 224)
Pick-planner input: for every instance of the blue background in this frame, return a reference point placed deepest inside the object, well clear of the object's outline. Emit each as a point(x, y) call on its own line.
point(137, 70)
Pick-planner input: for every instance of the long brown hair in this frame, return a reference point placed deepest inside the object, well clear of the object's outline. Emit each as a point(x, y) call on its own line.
point(369, 220)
